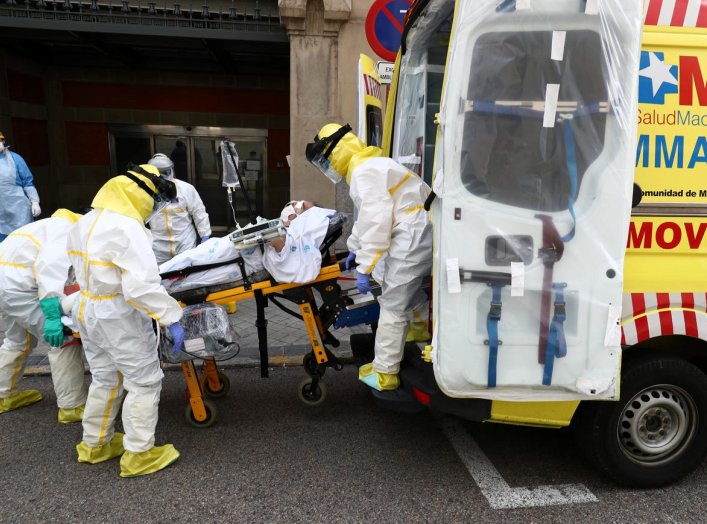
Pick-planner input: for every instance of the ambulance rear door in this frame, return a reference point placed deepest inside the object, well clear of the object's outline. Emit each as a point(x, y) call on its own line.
point(534, 174)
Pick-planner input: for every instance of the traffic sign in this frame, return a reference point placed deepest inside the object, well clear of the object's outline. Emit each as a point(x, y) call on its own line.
point(384, 26)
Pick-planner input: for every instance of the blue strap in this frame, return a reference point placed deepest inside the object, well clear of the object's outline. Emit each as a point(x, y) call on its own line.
point(556, 341)
point(571, 157)
point(492, 320)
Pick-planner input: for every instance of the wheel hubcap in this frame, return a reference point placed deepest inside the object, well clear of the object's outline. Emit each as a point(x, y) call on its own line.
point(657, 424)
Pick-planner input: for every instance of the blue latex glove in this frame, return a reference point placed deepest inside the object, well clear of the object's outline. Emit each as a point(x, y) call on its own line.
point(350, 259)
point(204, 239)
point(177, 333)
point(53, 328)
point(363, 282)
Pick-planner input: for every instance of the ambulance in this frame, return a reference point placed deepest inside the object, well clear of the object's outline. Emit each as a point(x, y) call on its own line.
point(565, 142)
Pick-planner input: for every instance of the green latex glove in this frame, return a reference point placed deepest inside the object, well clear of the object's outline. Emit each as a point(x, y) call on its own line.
point(53, 328)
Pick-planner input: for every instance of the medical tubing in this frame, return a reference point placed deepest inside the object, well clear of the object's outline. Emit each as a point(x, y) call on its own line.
point(229, 192)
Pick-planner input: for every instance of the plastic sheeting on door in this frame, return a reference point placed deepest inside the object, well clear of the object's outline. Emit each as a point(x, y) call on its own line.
point(537, 149)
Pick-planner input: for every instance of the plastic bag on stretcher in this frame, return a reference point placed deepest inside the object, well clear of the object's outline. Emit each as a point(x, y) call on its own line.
point(534, 172)
point(208, 333)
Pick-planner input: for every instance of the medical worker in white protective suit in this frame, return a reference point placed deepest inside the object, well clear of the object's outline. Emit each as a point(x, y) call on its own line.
point(173, 229)
point(110, 249)
point(34, 268)
point(20, 200)
point(392, 222)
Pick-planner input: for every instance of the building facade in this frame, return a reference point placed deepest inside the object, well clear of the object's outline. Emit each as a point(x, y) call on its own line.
point(86, 87)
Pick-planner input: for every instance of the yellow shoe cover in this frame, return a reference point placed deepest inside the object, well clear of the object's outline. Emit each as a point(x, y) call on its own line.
point(146, 462)
point(98, 454)
point(69, 415)
point(20, 400)
point(418, 332)
point(379, 381)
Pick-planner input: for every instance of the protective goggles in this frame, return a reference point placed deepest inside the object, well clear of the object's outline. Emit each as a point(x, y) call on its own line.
point(319, 151)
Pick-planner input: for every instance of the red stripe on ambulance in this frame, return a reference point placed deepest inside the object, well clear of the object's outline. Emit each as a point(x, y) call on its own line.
point(677, 13)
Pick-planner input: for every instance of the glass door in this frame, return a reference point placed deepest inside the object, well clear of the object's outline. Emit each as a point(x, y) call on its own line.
point(197, 160)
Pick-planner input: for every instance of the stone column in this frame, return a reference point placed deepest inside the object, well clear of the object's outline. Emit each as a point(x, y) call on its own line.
point(313, 27)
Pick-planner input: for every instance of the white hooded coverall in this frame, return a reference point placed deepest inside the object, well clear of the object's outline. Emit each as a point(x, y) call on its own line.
point(173, 230)
point(391, 219)
point(120, 292)
point(33, 266)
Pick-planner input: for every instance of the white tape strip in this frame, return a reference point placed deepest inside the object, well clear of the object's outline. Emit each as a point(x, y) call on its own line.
point(558, 45)
point(612, 338)
point(454, 284)
point(552, 93)
point(522, 4)
point(517, 279)
point(592, 7)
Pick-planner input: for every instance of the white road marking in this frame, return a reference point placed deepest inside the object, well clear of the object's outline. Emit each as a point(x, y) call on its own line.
point(496, 490)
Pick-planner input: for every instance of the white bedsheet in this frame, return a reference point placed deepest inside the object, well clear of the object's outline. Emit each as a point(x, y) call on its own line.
point(298, 262)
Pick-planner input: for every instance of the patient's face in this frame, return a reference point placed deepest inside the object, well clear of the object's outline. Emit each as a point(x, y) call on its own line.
point(299, 206)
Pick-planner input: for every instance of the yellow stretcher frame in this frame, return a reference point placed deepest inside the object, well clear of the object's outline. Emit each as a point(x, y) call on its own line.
point(200, 411)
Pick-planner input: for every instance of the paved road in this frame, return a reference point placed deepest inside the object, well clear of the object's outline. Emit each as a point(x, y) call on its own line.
point(271, 459)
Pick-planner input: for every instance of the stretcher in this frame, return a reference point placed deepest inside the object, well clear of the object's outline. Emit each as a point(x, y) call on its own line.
point(338, 308)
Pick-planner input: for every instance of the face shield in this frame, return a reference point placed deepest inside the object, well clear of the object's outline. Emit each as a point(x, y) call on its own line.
point(164, 164)
point(319, 151)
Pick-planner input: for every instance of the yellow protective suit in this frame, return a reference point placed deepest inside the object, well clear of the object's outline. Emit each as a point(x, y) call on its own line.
point(121, 292)
point(391, 221)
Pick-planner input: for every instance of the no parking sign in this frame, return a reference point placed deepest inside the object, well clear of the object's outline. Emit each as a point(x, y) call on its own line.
point(384, 26)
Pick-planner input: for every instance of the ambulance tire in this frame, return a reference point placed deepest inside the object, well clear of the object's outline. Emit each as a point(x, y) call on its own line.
point(657, 433)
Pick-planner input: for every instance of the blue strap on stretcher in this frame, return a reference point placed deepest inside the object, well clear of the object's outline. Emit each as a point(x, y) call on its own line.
point(556, 341)
point(492, 320)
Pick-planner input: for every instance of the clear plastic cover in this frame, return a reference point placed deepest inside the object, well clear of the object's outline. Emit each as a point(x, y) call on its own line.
point(208, 333)
point(535, 172)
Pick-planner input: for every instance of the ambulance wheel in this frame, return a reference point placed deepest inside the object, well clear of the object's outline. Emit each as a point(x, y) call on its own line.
point(657, 433)
point(312, 396)
point(219, 393)
point(311, 366)
point(211, 415)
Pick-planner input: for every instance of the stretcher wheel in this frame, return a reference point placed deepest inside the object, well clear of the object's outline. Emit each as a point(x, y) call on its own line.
point(311, 366)
point(311, 395)
point(211, 415)
point(221, 392)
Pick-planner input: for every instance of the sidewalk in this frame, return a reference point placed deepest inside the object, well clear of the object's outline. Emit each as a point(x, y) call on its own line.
point(287, 340)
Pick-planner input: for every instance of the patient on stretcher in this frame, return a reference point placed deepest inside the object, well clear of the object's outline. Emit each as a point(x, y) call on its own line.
point(295, 258)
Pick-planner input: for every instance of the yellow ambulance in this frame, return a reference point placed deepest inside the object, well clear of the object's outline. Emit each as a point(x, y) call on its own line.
point(640, 412)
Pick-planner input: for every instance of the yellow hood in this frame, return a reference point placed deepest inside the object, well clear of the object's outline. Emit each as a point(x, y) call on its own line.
point(349, 153)
point(67, 215)
point(123, 196)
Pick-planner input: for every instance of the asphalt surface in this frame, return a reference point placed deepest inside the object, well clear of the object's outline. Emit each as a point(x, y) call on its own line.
point(272, 459)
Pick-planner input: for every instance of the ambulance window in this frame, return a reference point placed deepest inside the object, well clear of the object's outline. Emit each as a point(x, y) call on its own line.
point(420, 89)
point(374, 126)
point(507, 155)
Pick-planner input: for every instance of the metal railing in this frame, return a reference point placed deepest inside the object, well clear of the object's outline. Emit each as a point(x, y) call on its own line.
point(139, 13)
